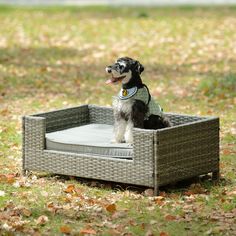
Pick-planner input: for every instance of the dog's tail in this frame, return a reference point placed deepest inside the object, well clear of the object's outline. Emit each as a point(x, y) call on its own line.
point(166, 122)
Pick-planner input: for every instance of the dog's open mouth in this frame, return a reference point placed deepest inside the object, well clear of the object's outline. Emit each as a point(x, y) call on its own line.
point(115, 79)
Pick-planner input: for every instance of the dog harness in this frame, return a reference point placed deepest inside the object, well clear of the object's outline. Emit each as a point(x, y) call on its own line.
point(142, 94)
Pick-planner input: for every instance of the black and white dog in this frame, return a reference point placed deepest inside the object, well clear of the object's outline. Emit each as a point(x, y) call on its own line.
point(134, 106)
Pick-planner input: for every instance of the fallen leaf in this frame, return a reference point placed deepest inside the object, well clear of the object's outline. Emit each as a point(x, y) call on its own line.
point(208, 232)
point(70, 188)
point(174, 196)
point(162, 194)
point(42, 220)
point(6, 227)
point(2, 178)
point(229, 215)
point(231, 193)
point(195, 189)
point(17, 184)
point(10, 178)
point(151, 208)
point(65, 229)
point(4, 112)
point(153, 222)
point(26, 212)
point(170, 217)
point(119, 214)
point(132, 223)
point(143, 226)
point(164, 234)
point(87, 231)
point(111, 208)
point(233, 130)
point(226, 151)
point(114, 232)
point(149, 233)
point(159, 200)
point(50, 205)
point(149, 192)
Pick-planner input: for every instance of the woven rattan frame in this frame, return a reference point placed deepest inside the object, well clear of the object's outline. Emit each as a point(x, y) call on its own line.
point(189, 148)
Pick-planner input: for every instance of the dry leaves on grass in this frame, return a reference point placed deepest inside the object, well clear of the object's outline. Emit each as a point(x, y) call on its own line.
point(8, 178)
point(195, 189)
point(65, 229)
point(11, 218)
point(73, 200)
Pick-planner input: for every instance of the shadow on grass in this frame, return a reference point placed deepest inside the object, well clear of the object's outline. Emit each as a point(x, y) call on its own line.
point(67, 64)
point(180, 187)
point(49, 56)
point(128, 11)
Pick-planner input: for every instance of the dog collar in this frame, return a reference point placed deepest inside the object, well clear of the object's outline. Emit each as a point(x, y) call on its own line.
point(127, 93)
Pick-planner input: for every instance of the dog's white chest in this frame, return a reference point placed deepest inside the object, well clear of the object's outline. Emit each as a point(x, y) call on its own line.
point(124, 106)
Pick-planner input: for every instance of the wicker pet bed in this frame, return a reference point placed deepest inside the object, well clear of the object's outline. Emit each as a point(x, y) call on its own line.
point(158, 157)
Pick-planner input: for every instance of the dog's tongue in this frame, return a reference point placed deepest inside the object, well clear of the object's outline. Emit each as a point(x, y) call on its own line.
point(109, 81)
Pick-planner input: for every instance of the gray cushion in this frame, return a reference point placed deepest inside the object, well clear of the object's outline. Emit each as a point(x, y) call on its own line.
point(92, 139)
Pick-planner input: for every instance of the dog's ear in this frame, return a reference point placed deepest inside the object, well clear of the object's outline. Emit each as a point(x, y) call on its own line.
point(139, 67)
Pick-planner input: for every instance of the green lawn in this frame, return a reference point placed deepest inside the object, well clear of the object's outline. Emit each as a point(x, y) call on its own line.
point(55, 57)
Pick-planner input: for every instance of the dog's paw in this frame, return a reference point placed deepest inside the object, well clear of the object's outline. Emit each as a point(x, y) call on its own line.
point(129, 140)
point(117, 141)
point(130, 144)
point(129, 137)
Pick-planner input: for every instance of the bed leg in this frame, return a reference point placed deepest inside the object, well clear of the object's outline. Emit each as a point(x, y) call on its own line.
point(25, 172)
point(156, 190)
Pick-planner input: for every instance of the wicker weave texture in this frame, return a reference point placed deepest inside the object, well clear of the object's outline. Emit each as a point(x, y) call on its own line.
point(189, 148)
point(65, 118)
point(101, 115)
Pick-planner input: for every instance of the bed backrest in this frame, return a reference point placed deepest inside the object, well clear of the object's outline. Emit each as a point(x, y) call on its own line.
point(65, 118)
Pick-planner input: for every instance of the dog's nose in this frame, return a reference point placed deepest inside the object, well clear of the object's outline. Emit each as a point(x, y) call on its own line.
point(108, 70)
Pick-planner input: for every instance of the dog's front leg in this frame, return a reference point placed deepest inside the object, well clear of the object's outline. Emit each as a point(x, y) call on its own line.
point(129, 132)
point(119, 130)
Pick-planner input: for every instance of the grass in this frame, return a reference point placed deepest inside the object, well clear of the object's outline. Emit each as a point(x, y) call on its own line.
point(55, 57)
point(219, 86)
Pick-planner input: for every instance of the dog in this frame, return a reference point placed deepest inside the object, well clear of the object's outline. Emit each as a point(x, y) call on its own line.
point(133, 107)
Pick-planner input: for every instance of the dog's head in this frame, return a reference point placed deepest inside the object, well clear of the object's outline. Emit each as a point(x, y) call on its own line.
point(125, 70)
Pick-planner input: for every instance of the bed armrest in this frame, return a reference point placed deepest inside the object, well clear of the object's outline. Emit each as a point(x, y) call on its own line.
point(187, 150)
point(143, 146)
point(33, 138)
point(33, 132)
